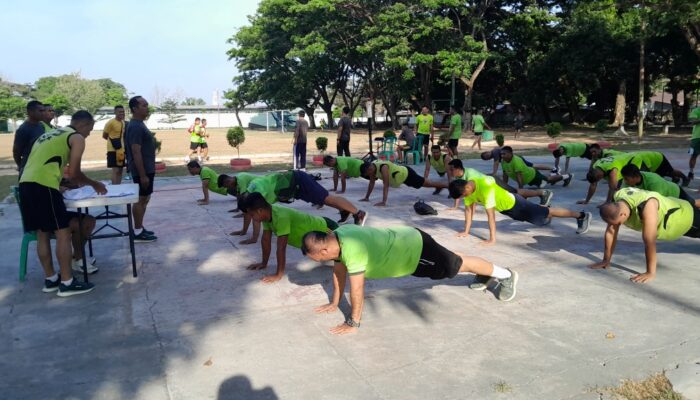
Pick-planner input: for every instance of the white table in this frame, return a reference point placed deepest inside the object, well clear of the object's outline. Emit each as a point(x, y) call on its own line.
point(104, 201)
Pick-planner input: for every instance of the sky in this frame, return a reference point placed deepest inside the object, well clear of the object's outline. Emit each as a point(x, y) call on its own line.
point(154, 48)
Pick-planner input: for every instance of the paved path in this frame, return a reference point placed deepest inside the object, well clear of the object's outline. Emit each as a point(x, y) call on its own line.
point(196, 325)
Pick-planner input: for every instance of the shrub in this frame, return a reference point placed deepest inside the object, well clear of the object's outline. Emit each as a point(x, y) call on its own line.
point(553, 129)
point(500, 140)
point(157, 144)
point(321, 143)
point(389, 133)
point(602, 125)
point(235, 137)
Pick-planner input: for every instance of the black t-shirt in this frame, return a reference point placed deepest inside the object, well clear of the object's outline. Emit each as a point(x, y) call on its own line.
point(346, 125)
point(496, 154)
point(137, 133)
point(25, 137)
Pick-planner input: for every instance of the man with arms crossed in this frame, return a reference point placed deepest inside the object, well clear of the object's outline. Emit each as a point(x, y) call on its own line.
point(656, 216)
point(41, 203)
point(377, 253)
point(141, 157)
point(288, 224)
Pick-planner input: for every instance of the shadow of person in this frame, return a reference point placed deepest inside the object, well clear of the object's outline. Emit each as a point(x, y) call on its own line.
point(239, 388)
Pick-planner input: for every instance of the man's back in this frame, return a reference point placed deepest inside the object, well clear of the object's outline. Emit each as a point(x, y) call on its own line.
point(301, 130)
point(345, 125)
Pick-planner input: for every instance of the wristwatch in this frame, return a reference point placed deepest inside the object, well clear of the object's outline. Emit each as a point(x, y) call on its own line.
point(351, 322)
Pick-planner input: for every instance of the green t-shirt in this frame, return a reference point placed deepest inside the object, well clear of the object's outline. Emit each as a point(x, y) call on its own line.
point(456, 121)
point(380, 252)
point(424, 123)
point(49, 156)
point(438, 163)
point(651, 159)
point(695, 115)
point(243, 179)
point(574, 149)
point(607, 164)
point(294, 224)
point(469, 173)
point(271, 185)
point(518, 165)
point(675, 215)
point(46, 126)
point(489, 194)
point(611, 153)
point(655, 183)
point(397, 173)
point(194, 135)
point(351, 166)
point(209, 174)
point(478, 123)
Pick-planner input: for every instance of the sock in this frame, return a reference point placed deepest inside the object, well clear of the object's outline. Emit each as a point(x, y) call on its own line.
point(137, 231)
point(581, 215)
point(500, 273)
point(53, 278)
point(68, 282)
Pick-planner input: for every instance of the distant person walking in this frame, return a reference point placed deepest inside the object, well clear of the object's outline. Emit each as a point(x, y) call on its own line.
point(518, 123)
point(194, 130)
point(114, 135)
point(424, 126)
point(299, 142)
point(141, 157)
point(27, 133)
point(455, 132)
point(203, 145)
point(344, 128)
point(478, 124)
point(694, 117)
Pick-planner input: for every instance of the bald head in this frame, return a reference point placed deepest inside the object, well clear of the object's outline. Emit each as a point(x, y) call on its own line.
point(320, 246)
point(614, 213)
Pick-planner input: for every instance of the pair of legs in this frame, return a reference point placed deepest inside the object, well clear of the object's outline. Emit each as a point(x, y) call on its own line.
point(116, 163)
point(300, 155)
point(63, 252)
point(140, 211)
point(117, 174)
point(452, 145)
point(400, 149)
point(343, 148)
point(477, 139)
point(195, 149)
point(204, 151)
point(88, 226)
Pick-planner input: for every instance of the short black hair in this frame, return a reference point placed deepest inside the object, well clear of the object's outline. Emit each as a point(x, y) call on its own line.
point(197, 119)
point(47, 105)
point(81, 115)
point(33, 105)
point(327, 159)
point(255, 201)
point(118, 107)
point(315, 237)
point(631, 170)
point(507, 148)
point(435, 147)
point(194, 164)
point(595, 146)
point(301, 113)
point(557, 152)
point(220, 180)
point(591, 176)
point(346, 110)
point(456, 163)
point(134, 102)
point(363, 168)
point(456, 188)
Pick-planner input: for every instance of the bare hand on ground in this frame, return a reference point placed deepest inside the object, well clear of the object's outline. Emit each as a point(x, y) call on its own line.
point(643, 278)
point(581, 202)
point(271, 278)
point(326, 308)
point(237, 233)
point(248, 241)
point(380, 204)
point(256, 266)
point(343, 329)
point(600, 265)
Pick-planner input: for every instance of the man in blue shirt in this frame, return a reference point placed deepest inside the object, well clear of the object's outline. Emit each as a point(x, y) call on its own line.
point(27, 133)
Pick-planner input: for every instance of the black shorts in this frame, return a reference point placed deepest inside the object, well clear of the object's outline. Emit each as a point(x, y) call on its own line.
point(694, 231)
point(194, 145)
point(537, 180)
point(695, 147)
point(478, 133)
point(203, 145)
point(42, 208)
point(524, 210)
point(436, 262)
point(441, 174)
point(587, 153)
point(149, 189)
point(665, 168)
point(113, 162)
point(413, 179)
point(685, 196)
point(426, 138)
point(452, 143)
point(308, 190)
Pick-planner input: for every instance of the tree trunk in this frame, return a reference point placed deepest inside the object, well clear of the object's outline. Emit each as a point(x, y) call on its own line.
point(425, 71)
point(310, 114)
point(640, 106)
point(685, 110)
point(692, 35)
point(620, 104)
point(238, 118)
point(467, 109)
point(675, 107)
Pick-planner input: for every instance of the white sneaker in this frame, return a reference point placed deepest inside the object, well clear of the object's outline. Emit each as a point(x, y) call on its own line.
point(77, 265)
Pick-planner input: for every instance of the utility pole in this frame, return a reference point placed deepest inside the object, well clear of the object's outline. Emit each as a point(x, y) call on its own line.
point(640, 107)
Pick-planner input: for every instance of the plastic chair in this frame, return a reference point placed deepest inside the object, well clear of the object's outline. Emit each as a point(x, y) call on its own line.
point(26, 239)
point(416, 150)
point(388, 148)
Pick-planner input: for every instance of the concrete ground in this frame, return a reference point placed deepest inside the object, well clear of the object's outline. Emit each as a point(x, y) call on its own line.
point(196, 324)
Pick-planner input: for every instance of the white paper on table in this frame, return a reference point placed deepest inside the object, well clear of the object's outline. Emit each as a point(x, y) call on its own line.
point(87, 192)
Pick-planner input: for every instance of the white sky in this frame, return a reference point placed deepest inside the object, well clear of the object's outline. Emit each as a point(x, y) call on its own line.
point(178, 46)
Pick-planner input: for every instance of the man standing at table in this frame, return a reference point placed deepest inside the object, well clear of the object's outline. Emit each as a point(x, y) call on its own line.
point(114, 135)
point(41, 203)
point(141, 157)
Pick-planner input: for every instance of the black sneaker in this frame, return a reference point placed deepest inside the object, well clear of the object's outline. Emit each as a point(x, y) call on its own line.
point(691, 176)
point(343, 216)
point(76, 287)
point(360, 218)
point(51, 286)
point(143, 237)
point(147, 232)
point(583, 223)
point(437, 191)
point(686, 181)
point(568, 179)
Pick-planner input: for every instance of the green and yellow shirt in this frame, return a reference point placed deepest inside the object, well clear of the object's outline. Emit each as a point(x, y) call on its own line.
point(489, 194)
point(208, 174)
point(294, 224)
point(397, 173)
point(49, 156)
point(517, 164)
point(348, 165)
point(655, 183)
point(675, 216)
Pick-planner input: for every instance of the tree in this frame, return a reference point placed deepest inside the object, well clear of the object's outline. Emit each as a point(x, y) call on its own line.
point(191, 101)
point(59, 102)
point(237, 99)
point(115, 92)
point(82, 94)
point(169, 108)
